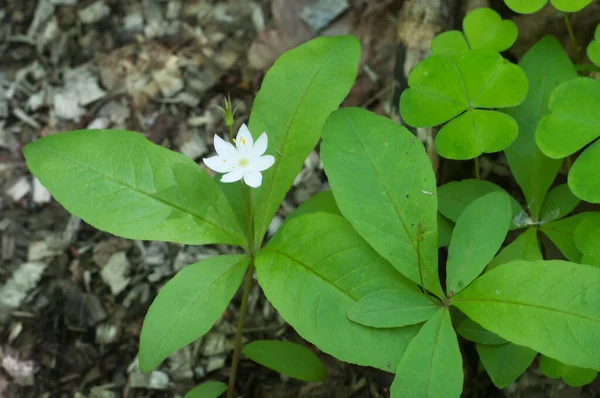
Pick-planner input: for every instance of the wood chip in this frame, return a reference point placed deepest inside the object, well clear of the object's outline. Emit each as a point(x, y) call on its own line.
point(41, 195)
point(94, 12)
point(115, 271)
point(19, 189)
point(15, 290)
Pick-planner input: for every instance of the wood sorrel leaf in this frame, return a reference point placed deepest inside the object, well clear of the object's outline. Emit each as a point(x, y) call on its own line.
point(583, 177)
point(393, 309)
point(484, 29)
point(572, 375)
point(120, 182)
point(298, 93)
point(559, 202)
point(548, 306)
point(570, 5)
point(561, 233)
point(525, 247)
point(478, 235)
point(441, 88)
point(546, 66)
point(574, 121)
point(450, 43)
point(476, 132)
point(531, 6)
point(188, 306)
point(474, 332)
point(313, 270)
point(593, 49)
point(384, 185)
point(455, 196)
point(506, 362)
point(209, 389)
point(525, 6)
point(285, 357)
point(321, 202)
point(432, 364)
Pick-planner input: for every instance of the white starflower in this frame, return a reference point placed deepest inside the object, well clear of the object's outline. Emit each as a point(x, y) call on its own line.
point(244, 160)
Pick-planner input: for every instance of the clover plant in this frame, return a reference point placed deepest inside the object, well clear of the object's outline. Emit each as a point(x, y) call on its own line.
point(356, 270)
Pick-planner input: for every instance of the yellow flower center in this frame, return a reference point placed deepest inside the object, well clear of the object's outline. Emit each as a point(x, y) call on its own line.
point(243, 162)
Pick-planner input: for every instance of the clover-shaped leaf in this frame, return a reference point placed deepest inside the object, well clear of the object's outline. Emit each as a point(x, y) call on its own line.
point(573, 124)
point(531, 6)
point(484, 30)
point(593, 50)
point(442, 88)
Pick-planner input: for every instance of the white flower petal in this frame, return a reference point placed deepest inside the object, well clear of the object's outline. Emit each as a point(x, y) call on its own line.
point(260, 146)
point(253, 179)
point(234, 176)
point(218, 164)
point(262, 163)
point(225, 149)
point(244, 141)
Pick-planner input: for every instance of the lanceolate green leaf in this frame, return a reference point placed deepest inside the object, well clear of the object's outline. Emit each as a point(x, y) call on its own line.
point(209, 389)
point(432, 364)
point(506, 362)
point(121, 183)
point(445, 228)
point(392, 309)
point(298, 93)
point(313, 270)
point(587, 235)
point(559, 203)
point(546, 66)
point(572, 375)
point(525, 247)
point(548, 306)
point(288, 358)
point(455, 196)
point(188, 306)
point(323, 201)
point(472, 331)
point(561, 233)
point(478, 235)
point(384, 185)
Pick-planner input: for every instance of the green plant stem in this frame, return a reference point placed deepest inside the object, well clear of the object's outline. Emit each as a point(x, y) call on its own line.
point(477, 171)
point(251, 226)
point(237, 345)
point(587, 68)
point(572, 37)
point(568, 163)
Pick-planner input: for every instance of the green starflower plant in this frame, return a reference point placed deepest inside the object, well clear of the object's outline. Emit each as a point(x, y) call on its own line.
point(356, 270)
